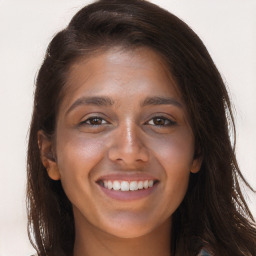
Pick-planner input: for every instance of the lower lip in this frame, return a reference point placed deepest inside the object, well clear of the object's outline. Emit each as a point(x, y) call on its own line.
point(128, 195)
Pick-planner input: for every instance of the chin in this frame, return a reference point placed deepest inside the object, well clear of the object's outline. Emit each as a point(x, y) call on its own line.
point(129, 232)
point(132, 227)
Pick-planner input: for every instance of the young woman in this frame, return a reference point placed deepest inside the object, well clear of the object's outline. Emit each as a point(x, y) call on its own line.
point(129, 149)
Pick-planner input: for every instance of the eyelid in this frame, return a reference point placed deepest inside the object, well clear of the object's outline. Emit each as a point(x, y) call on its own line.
point(91, 118)
point(170, 120)
point(85, 121)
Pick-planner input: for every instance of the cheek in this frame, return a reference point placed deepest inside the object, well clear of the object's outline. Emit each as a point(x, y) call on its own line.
point(175, 155)
point(76, 157)
point(175, 152)
point(78, 150)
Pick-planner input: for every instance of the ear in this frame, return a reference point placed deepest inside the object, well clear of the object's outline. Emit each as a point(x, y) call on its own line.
point(196, 165)
point(47, 154)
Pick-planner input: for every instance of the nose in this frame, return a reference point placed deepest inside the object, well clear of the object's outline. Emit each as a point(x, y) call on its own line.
point(127, 146)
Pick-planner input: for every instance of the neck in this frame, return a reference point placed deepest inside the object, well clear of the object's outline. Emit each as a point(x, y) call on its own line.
point(91, 241)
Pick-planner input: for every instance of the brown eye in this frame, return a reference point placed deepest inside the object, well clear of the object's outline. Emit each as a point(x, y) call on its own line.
point(94, 121)
point(161, 121)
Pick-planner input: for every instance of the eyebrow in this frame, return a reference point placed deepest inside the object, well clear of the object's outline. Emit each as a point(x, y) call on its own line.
point(96, 101)
point(161, 101)
point(106, 101)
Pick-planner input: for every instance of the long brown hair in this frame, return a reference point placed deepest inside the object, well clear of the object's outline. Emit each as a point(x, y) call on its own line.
point(213, 214)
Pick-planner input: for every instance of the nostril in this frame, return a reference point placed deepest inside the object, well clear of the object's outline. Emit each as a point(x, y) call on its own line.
point(131, 156)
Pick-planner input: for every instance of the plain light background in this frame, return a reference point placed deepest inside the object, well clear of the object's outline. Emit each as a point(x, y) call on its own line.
point(228, 29)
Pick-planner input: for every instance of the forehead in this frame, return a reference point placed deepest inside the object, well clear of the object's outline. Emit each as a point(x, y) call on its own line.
point(118, 70)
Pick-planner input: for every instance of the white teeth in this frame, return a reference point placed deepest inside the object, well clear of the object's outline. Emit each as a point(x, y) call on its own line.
point(140, 185)
point(133, 185)
point(125, 186)
point(116, 185)
point(110, 186)
point(145, 184)
point(128, 186)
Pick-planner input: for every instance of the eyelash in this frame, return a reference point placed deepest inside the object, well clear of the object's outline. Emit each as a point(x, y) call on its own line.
point(165, 121)
point(90, 119)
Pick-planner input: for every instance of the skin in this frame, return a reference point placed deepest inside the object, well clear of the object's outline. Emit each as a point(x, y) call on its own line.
point(133, 135)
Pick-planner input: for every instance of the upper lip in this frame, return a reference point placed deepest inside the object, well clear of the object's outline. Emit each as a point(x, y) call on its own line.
point(127, 177)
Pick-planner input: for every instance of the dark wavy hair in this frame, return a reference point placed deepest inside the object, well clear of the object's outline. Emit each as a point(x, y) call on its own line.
point(213, 214)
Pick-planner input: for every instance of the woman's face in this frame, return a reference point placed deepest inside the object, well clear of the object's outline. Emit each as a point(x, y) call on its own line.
point(122, 124)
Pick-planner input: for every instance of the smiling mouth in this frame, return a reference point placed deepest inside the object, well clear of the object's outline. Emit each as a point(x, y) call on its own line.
point(123, 185)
